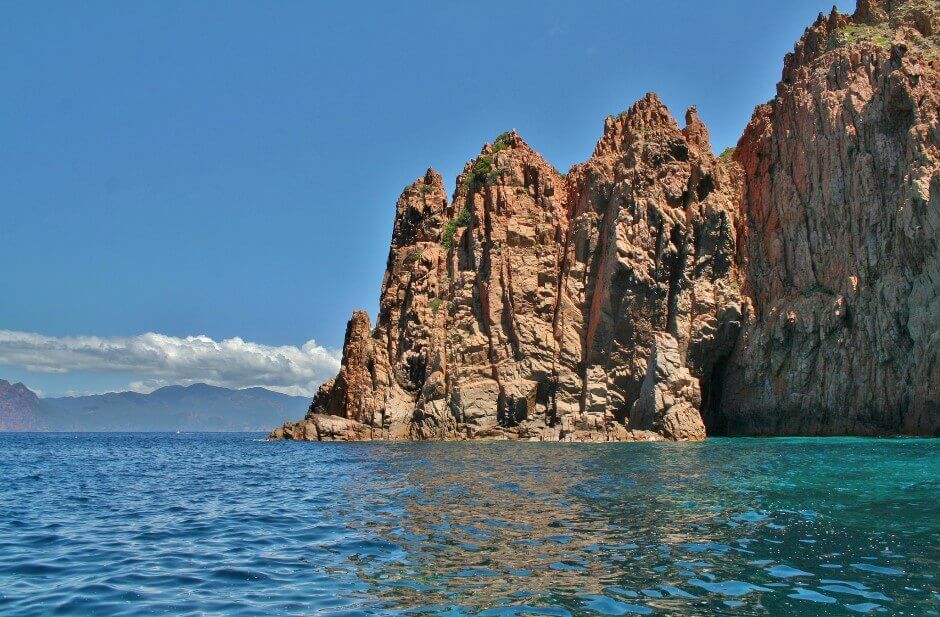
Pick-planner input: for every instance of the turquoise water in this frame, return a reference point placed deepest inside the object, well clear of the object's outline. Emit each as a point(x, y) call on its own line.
point(212, 523)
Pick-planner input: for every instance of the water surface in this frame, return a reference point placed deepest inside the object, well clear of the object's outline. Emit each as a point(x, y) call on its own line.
point(222, 523)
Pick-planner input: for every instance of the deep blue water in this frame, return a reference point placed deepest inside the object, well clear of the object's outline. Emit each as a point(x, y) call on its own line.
point(226, 523)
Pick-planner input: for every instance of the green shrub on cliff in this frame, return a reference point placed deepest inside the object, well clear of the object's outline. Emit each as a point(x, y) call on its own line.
point(482, 168)
point(463, 219)
point(447, 236)
point(858, 33)
point(501, 142)
point(450, 227)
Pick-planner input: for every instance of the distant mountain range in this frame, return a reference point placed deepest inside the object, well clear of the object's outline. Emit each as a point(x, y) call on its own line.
point(198, 407)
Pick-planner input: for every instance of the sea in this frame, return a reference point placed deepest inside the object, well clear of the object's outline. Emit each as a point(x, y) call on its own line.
point(230, 524)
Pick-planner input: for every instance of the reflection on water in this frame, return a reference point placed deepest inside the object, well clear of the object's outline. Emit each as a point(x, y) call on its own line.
point(637, 528)
point(225, 523)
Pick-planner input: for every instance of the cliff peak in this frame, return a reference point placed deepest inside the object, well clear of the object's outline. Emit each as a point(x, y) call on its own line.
point(649, 110)
point(647, 116)
point(509, 140)
point(432, 178)
point(420, 210)
point(875, 25)
point(503, 162)
point(870, 11)
point(358, 322)
point(695, 131)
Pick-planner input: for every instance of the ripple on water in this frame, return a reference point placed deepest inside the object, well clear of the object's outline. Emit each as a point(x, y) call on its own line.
point(855, 590)
point(867, 567)
point(802, 593)
point(131, 524)
point(865, 607)
point(786, 572)
point(728, 588)
point(608, 606)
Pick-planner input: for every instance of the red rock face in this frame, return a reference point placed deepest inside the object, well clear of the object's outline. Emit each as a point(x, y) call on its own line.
point(840, 223)
point(392, 383)
point(19, 407)
point(504, 271)
point(659, 292)
point(650, 253)
point(533, 305)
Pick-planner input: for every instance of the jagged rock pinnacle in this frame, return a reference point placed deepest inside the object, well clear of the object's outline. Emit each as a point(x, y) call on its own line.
point(656, 292)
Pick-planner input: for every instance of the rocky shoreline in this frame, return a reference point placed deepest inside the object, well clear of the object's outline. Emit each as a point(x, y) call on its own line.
point(657, 291)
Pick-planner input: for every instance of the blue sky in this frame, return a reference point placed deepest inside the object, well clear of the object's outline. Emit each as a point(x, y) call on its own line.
point(230, 169)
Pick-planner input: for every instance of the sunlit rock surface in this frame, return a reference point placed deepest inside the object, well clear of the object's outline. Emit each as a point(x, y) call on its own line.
point(657, 291)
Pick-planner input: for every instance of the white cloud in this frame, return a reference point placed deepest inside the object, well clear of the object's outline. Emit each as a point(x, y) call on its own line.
point(165, 360)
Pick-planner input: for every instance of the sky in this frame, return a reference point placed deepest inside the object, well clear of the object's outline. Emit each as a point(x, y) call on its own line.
point(204, 191)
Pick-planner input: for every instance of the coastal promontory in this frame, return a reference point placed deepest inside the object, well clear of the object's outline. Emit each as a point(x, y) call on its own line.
point(790, 286)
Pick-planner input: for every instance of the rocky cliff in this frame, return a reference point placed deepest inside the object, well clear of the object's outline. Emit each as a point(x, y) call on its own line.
point(657, 291)
point(839, 225)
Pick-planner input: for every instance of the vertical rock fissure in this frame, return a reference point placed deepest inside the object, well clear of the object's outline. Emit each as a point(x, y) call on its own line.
point(657, 291)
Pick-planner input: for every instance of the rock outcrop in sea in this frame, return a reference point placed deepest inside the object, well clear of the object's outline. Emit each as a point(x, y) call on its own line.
point(657, 291)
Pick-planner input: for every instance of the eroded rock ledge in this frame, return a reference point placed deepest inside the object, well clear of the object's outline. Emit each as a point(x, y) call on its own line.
point(657, 291)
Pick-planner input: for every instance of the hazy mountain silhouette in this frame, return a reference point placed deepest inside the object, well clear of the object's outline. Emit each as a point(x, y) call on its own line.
point(199, 407)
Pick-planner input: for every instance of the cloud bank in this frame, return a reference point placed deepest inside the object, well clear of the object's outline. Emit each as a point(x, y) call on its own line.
point(165, 360)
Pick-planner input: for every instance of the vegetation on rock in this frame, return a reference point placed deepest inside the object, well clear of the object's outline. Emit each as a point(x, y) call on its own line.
point(451, 226)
